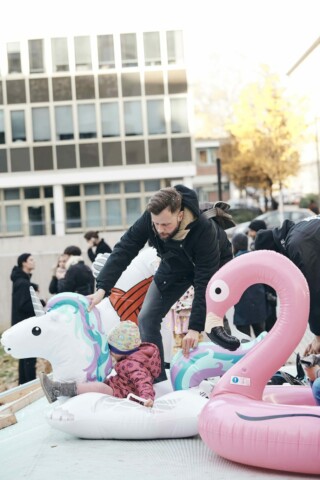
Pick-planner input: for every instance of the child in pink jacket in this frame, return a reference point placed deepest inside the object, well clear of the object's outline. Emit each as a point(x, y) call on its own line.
point(136, 365)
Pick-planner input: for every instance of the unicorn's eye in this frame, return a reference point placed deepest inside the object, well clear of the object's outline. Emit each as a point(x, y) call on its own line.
point(218, 291)
point(36, 331)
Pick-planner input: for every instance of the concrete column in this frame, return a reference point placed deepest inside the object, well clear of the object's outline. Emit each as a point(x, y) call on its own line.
point(59, 210)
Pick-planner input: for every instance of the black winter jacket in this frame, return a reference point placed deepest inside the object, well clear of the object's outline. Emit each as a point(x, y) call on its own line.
point(300, 242)
point(196, 258)
point(102, 247)
point(22, 307)
point(78, 279)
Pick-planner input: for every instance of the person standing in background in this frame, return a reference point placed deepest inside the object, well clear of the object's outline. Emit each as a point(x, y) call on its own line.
point(99, 244)
point(59, 272)
point(22, 307)
point(78, 277)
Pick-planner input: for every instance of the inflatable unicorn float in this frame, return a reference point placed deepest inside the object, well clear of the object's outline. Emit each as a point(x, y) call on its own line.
point(73, 340)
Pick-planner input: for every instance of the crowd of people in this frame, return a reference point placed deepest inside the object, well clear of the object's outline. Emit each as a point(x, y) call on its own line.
point(191, 248)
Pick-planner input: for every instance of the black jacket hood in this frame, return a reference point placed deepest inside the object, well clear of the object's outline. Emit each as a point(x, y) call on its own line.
point(17, 273)
point(189, 199)
point(273, 239)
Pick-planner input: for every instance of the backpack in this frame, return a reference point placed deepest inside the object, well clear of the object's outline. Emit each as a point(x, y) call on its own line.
point(218, 212)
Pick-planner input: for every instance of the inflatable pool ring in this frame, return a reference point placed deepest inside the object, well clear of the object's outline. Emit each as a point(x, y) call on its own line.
point(207, 360)
point(98, 416)
point(237, 423)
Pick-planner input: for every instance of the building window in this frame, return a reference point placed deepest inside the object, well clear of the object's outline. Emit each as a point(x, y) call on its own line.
point(108, 86)
point(158, 151)
point(16, 91)
point(18, 126)
point(110, 126)
point(13, 218)
point(2, 129)
point(3, 161)
point(105, 51)
point(89, 155)
point(175, 47)
point(135, 153)
point(181, 150)
point(61, 88)
point(36, 56)
point(39, 91)
point(133, 118)
point(207, 156)
point(82, 50)
point(85, 87)
point(73, 215)
point(41, 124)
point(20, 159)
point(152, 52)
point(14, 57)
point(133, 210)
point(129, 53)
point(156, 118)
point(43, 158)
point(112, 154)
point(131, 85)
point(60, 56)
point(177, 81)
point(66, 156)
point(179, 115)
point(153, 83)
point(93, 213)
point(87, 121)
point(64, 123)
point(113, 213)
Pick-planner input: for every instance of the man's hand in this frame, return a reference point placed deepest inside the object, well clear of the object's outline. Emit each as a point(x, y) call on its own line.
point(96, 298)
point(313, 347)
point(191, 340)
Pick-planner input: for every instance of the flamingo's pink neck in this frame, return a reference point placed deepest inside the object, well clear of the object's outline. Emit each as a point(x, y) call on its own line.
point(250, 375)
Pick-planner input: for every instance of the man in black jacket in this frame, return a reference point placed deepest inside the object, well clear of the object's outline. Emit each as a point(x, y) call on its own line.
point(187, 245)
point(22, 307)
point(94, 241)
point(300, 243)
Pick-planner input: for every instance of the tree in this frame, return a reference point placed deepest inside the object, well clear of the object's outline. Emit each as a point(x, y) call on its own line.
point(264, 136)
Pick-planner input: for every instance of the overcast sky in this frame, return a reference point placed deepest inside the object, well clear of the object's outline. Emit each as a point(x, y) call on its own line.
point(276, 32)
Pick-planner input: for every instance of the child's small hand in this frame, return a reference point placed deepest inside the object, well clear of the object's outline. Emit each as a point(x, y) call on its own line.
point(148, 403)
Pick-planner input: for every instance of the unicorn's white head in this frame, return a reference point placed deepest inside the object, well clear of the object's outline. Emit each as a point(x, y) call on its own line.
point(73, 340)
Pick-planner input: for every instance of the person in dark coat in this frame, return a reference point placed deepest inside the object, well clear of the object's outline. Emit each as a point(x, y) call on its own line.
point(96, 242)
point(22, 307)
point(252, 308)
point(254, 227)
point(78, 277)
point(187, 245)
point(300, 243)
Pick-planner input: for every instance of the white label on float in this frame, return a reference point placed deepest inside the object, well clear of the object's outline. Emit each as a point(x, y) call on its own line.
point(245, 381)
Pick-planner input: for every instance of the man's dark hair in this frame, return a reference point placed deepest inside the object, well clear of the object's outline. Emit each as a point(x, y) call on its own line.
point(91, 234)
point(239, 242)
point(165, 198)
point(72, 250)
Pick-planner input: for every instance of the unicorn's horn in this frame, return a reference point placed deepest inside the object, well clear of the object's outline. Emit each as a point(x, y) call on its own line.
point(37, 305)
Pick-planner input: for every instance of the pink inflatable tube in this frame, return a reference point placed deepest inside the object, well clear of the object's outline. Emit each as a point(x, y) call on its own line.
point(237, 423)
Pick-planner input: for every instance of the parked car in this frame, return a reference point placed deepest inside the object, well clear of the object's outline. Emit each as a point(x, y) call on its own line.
point(272, 219)
point(242, 214)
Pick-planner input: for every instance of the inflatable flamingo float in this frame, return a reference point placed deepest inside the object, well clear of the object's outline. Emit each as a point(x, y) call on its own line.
point(237, 423)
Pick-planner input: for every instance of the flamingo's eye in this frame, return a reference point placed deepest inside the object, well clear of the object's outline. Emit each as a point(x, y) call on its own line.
point(218, 291)
point(36, 331)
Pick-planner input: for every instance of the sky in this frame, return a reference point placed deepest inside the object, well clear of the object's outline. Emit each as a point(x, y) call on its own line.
point(276, 32)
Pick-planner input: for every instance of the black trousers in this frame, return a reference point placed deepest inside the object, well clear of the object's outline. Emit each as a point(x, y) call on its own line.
point(155, 307)
point(27, 370)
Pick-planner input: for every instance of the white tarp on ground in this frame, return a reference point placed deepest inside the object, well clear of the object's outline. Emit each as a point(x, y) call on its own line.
point(32, 450)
